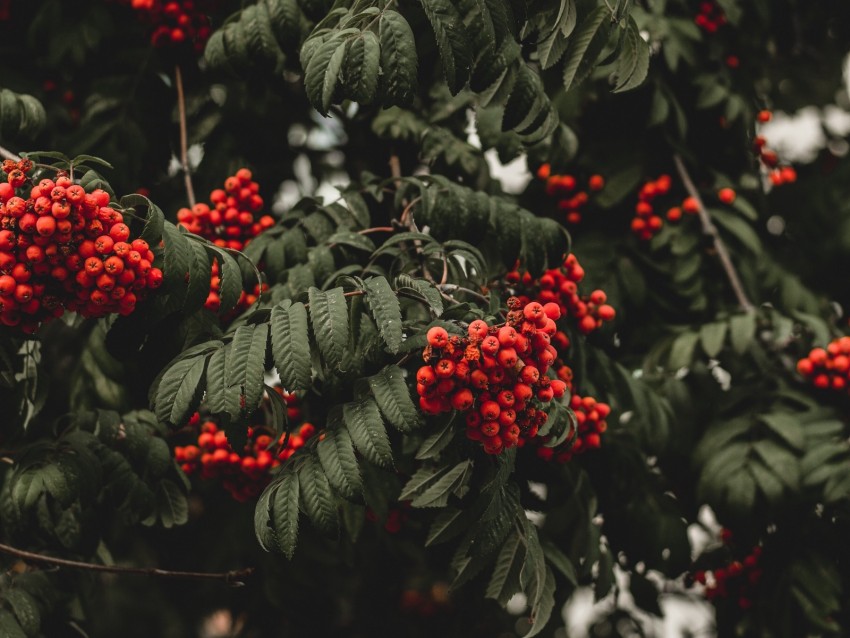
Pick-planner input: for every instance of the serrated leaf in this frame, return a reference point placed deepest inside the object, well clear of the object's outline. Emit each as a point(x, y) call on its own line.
point(366, 427)
point(633, 63)
point(437, 495)
point(425, 289)
point(321, 73)
point(317, 498)
point(180, 389)
point(291, 345)
point(230, 284)
point(452, 41)
point(581, 40)
point(439, 439)
point(788, 428)
point(284, 511)
point(385, 309)
point(393, 398)
point(505, 581)
point(329, 318)
point(336, 454)
point(26, 609)
point(362, 66)
point(398, 58)
point(448, 524)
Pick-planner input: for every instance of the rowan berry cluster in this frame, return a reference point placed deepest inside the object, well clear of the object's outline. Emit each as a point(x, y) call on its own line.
point(828, 368)
point(560, 286)
point(590, 425)
point(396, 517)
point(243, 474)
point(646, 222)
point(710, 17)
point(769, 159)
point(228, 220)
point(177, 22)
point(570, 200)
point(737, 580)
point(496, 376)
point(62, 248)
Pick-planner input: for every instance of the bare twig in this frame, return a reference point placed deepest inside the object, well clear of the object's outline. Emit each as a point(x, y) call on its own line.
point(234, 577)
point(5, 153)
point(455, 288)
point(184, 144)
point(709, 229)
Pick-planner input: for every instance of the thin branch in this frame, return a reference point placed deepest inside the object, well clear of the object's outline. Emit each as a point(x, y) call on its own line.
point(5, 153)
point(709, 229)
point(234, 577)
point(376, 229)
point(456, 288)
point(184, 144)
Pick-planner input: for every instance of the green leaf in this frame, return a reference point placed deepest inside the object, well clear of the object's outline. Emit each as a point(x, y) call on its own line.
point(505, 581)
point(393, 398)
point(633, 63)
point(180, 388)
point(366, 427)
point(385, 309)
point(581, 40)
point(439, 439)
point(284, 510)
point(172, 504)
point(437, 494)
point(245, 369)
point(230, 286)
point(426, 289)
point(321, 73)
point(317, 498)
point(9, 627)
point(329, 318)
point(682, 351)
point(788, 428)
point(452, 41)
point(712, 336)
point(742, 328)
point(362, 66)
point(339, 462)
point(26, 609)
point(291, 345)
point(398, 58)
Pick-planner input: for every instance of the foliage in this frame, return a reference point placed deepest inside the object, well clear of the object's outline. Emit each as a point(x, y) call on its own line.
point(431, 398)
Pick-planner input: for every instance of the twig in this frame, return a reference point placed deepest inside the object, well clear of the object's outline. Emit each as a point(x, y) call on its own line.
point(376, 229)
point(5, 153)
point(709, 229)
point(455, 288)
point(184, 144)
point(233, 577)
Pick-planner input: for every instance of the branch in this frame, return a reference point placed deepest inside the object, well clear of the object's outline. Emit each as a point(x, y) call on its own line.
point(234, 577)
point(5, 153)
point(184, 145)
point(709, 229)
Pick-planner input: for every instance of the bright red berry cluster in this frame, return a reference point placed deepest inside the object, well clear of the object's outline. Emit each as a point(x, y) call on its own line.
point(590, 423)
point(570, 200)
point(646, 222)
point(560, 286)
point(228, 220)
point(177, 22)
point(496, 376)
point(62, 248)
point(710, 17)
point(828, 368)
point(769, 159)
point(245, 474)
point(737, 580)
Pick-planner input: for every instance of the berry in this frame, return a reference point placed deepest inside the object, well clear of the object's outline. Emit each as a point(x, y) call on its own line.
point(437, 337)
point(726, 195)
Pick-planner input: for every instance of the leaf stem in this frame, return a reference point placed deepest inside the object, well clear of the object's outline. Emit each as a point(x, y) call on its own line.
point(710, 230)
point(233, 577)
point(184, 144)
